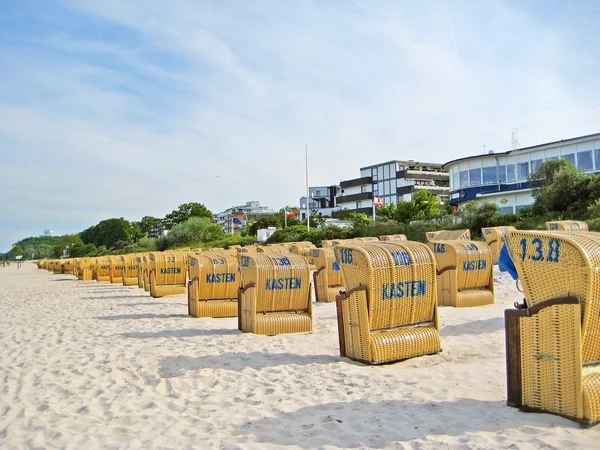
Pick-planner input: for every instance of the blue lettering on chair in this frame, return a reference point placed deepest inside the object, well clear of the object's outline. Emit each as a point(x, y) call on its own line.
point(220, 277)
point(410, 288)
point(478, 264)
point(276, 284)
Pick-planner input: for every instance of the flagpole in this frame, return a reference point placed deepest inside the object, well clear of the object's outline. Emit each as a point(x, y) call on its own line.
point(307, 191)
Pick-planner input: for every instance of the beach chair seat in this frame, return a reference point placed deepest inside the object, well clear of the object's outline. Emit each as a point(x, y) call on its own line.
point(213, 285)
point(553, 338)
point(495, 237)
point(328, 276)
point(447, 235)
point(567, 225)
point(389, 311)
point(465, 273)
point(167, 273)
point(275, 294)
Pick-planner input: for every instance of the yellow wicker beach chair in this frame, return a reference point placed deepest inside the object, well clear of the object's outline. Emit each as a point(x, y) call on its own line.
point(248, 249)
point(447, 235)
point(465, 273)
point(116, 269)
point(304, 249)
point(275, 297)
point(102, 269)
point(553, 339)
point(145, 272)
point(83, 269)
point(393, 237)
point(389, 312)
point(273, 248)
point(213, 286)
point(129, 275)
point(567, 225)
point(167, 273)
point(495, 237)
point(328, 276)
point(68, 266)
point(59, 266)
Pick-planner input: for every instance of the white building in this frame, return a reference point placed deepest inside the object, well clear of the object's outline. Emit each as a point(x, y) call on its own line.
point(49, 233)
point(265, 233)
point(235, 218)
point(503, 178)
point(322, 201)
point(393, 181)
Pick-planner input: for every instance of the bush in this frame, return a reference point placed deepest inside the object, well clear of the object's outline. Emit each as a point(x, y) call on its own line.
point(195, 229)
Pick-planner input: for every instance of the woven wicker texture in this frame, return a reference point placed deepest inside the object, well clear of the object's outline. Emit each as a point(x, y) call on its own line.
point(129, 275)
point(276, 294)
point(567, 225)
point(465, 273)
point(447, 235)
point(248, 249)
point(393, 237)
point(328, 276)
point(102, 269)
point(495, 237)
point(146, 272)
point(167, 273)
point(83, 269)
point(392, 318)
point(560, 342)
point(59, 267)
point(116, 269)
point(273, 248)
point(68, 266)
point(213, 285)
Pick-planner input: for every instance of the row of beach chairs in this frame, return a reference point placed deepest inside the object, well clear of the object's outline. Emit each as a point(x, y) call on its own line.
point(387, 294)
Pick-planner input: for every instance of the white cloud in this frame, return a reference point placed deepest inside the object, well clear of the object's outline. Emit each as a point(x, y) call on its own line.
point(130, 108)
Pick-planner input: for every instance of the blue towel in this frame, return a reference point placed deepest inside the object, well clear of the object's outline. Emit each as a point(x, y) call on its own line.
point(506, 264)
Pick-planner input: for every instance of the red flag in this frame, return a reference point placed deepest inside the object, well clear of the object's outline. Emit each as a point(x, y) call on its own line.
point(377, 200)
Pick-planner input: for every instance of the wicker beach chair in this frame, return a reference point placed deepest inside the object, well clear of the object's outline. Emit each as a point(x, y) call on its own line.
point(273, 248)
point(553, 339)
point(304, 249)
point(328, 276)
point(102, 269)
point(116, 269)
point(248, 249)
point(393, 237)
point(213, 286)
point(129, 274)
point(275, 297)
point(567, 225)
point(167, 273)
point(495, 237)
point(389, 311)
point(83, 269)
point(465, 273)
point(447, 235)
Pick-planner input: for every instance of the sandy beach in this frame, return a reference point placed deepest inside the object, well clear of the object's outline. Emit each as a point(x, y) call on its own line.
point(94, 365)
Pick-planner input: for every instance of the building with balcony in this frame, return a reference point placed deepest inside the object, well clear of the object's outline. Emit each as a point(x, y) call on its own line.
point(503, 178)
point(234, 219)
point(322, 201)
point(393, 181)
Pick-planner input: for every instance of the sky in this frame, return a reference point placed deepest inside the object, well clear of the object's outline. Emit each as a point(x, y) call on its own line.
point(128, 108)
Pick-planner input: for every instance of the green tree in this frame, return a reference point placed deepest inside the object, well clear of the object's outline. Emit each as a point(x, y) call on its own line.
point(265, 222)
point(423, 206)
point(477, 215)
point(194, 230)
point(147, 223)
point(108, 233)
point(184, 212)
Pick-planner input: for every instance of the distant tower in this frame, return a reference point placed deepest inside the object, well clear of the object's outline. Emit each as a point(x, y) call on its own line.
point(49, 233)
point(514, 137)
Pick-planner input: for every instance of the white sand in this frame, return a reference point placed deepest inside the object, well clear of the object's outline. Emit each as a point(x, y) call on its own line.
point(88, 365)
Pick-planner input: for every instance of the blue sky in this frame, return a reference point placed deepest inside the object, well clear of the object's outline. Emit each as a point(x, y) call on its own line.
point(129, 108)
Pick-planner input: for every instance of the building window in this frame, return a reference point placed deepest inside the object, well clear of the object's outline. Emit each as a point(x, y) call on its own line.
point(502, 174)
point(585, 161)
point(551, 158)
point(505, 210)
point(363, 189)
point(597, 158)
point(455, 180)
point(358, 205)
point(536, 164)
point(523, 170)
point(490, 175)
point(380, 173)
point(386, 172)
point(318, 193)
point(569, 157)
point(375, 189)
point(475, 175)
point(511, 174)
point(464, 178)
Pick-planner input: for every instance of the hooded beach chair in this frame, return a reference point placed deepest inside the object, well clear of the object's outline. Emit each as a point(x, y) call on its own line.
point(393, 237)
point(304, 249)
point(275, 297)
point(328, 276)
point(116, 269)
point(465, 273)
point(567, 225)
point(553, 338)
point(102, 269)
point(447, 235)
point(495, 237)
point(129, 275)
point(167, 273)
point(389, 311)
point(213, 286)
